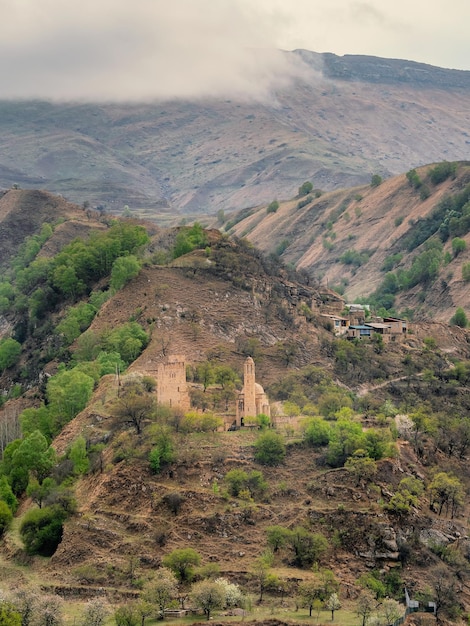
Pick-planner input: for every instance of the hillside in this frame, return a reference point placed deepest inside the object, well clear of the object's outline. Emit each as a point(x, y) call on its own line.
point(216, 304)
point(349, 239)
point(347, 118)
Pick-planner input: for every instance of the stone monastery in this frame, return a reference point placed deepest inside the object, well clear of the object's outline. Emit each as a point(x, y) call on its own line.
point(173, 390)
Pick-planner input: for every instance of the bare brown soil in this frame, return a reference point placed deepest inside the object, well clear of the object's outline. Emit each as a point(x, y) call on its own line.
point(371, 220)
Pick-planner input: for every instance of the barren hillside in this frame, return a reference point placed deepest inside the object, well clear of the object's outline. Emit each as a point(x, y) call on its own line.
point(376, 222)
point(349, 117)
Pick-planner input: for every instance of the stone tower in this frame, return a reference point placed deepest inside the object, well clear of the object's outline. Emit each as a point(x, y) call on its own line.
point(172, 388)
point(252, 401)
point(249, 390)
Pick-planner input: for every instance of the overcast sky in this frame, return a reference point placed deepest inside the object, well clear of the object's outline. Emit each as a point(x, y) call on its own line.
point(146, 49)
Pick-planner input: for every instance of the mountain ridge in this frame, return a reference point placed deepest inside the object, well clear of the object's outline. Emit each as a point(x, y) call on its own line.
point(167, 160)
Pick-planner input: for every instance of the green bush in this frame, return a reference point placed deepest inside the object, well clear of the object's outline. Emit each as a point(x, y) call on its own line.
point(270, 448)
point(466, 272)
point(305, 188)
point(272, 207)
point(239, 481)
point(41, 530)
point(317, 432)
point(413, 178)
point(442, 171)
point(124, 269)
point(375, 180)
point(189, 239)
point(458, 245)
point(459, 318)
point(5, 516)
point(10, 351)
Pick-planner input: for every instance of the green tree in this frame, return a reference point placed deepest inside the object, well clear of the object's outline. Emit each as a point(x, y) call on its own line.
point(270, 448)
point(127, 615)
point(134, 405)
point(365, 606)
point(466, 272)
point(305, 188)
point(5, 518)
point(373, 584)
point(182, 562)
point(127, 340)
point(277, 537)
point(7, 495)
point(333, 603)
point(310, 591)
point(39, 492)
point(205, 374)
point(459, 318)
point(68, 393)
point(446, 490)
point(37, 419)
point(346, 437)
point(163, 451)
point(32, 454)
point(391, 610)
point(458, 245)
point(189, 239)
point(375, 180)
point(308, 547)
point(95, 612)
point(272, 207)
point(79, 456)
point(77, 320)
point(208, 595)
point(65, 279)
point(361, 466)
point(41, 530)
point(261, 574)
point(124, 269)
point(10, 351)
point(162, 590)
point(317, 432)
point(225, 376)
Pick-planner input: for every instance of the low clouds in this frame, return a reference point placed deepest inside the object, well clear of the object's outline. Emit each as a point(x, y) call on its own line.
point(162, 49)
point(148, 49)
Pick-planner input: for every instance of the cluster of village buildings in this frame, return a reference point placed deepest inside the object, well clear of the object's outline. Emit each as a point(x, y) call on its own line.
point(358, 326)
point(173, 389)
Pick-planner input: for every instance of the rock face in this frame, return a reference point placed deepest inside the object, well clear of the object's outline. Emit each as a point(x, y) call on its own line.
point(384, 546)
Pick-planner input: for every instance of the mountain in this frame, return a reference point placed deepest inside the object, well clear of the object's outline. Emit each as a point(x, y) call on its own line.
point(344, 120)
point(358, 238)
point(396, 411)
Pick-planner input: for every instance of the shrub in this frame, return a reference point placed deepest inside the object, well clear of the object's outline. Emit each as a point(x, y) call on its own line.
point(305, 188)
point(424, 193)
point(458, 245)
point(375, 180)
point(5, 516)
point(414, 179)
point(272, 207)
point(459, 318)
point(239, 481)
point(182, 562)
point(304, 202)
point(41, 530)
point(10, 351)
point(442, 171)
point(317, 433)
point(270, 448)
point(466, 272)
